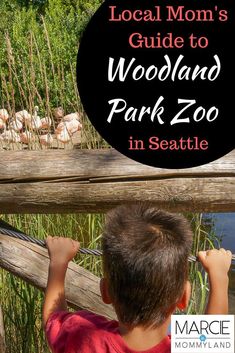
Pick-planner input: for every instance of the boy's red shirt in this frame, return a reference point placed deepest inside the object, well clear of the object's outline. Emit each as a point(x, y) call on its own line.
point(85, 332)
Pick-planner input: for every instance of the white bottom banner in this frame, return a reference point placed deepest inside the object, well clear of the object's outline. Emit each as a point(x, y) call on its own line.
point(202, 334)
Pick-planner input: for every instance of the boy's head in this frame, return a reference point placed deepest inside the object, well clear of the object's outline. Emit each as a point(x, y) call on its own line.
point(145, 259)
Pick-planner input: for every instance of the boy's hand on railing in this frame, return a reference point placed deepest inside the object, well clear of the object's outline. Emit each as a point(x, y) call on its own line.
point(216, 262)
point(62, 250)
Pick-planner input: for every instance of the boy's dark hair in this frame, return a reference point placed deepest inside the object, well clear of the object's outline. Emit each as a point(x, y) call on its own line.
point(145, 259)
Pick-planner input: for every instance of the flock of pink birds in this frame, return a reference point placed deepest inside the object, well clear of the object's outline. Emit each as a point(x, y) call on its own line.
point(24, 127)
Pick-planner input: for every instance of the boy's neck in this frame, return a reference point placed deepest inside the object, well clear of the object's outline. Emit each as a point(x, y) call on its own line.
point(140, 338)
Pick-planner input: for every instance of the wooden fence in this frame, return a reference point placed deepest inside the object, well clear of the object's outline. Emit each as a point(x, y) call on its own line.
point(96, 180)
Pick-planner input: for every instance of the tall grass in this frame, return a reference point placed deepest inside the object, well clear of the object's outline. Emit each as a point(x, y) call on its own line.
point(204, 238)
point(38, 54)
point(38, 57)
point(22, 303)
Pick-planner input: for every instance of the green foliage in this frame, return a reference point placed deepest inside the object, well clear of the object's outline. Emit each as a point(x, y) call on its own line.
point(40, 41)
point(38, 55)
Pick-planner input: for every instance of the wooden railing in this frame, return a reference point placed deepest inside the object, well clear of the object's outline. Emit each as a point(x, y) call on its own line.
point(96, 180)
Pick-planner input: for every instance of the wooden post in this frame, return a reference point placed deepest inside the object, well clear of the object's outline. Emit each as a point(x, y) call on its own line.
point(30, 262)
point(2, 333)
point(96, 180)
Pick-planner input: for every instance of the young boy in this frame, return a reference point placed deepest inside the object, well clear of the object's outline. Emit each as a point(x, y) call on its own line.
point(145, 262)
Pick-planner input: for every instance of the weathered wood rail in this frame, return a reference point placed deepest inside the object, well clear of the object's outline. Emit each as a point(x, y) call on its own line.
point(30, 262)
point(96, 180)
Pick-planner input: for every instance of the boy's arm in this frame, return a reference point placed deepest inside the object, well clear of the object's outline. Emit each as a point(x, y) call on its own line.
point(217, 263)
point(61, 251)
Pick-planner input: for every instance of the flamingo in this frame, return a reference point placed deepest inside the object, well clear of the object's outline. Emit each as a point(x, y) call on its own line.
point(36, 123)
point(22, 116)
point(60, 127)
point(63, 135)
point(10, 136)
point(16, 125)
point(4, 115)
point(46, 122)
point(26, 137)
point(46, 140)
point(73, 126)
point(2, 124)
point(58, 113)
point(72, 116)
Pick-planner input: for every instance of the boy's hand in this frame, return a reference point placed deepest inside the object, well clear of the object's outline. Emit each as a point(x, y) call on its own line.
point(62, 250)
point(216, 262)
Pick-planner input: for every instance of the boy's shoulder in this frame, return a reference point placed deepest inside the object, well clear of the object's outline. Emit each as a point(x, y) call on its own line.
point(89, 333)
point(93, 321)
point(73, 330)
point(81, 320)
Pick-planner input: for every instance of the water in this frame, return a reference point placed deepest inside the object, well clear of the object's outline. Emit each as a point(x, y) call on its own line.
point(224, 227)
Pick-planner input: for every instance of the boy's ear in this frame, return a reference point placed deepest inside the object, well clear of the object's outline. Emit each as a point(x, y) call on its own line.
point(104, 290)
point(183, 302)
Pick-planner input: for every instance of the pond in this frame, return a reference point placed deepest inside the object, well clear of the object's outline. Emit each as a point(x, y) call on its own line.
point(224, 228)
